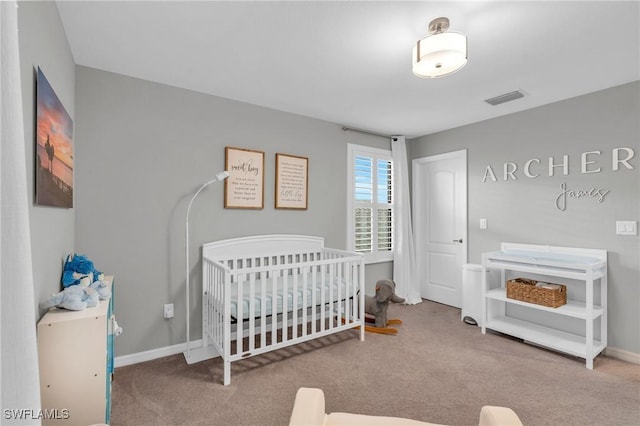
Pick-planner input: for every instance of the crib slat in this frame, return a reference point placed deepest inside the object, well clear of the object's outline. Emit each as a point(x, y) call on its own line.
point(285, 303)
point(218, 314)
point(355, 307)
point(294, 311)
point(305, 303)
point(331, 299)
point(323, 298)
point(227, 326)
point(263, 310)
point(339, 281)
point(347, 296)
point(221, 309)
point(274, 304)
point(239, 314)
point(252, 311)
point(314, 299)
point(206, 279)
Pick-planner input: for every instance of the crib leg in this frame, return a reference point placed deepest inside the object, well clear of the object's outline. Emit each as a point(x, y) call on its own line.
point(227, 373)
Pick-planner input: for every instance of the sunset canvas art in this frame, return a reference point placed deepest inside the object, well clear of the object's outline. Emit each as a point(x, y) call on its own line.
point(54, 148)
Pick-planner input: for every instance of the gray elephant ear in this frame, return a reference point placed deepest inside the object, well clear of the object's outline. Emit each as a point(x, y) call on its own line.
point(384, 293)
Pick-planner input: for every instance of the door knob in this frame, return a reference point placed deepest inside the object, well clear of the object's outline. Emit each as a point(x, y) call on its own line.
point(458, 241)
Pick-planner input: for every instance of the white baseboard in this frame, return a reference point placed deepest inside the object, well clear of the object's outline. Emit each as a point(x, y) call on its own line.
point(196, 346)
point(121, 361)
point(623, 355)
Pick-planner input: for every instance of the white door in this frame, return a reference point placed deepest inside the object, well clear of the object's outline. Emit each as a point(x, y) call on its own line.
point(440, 222)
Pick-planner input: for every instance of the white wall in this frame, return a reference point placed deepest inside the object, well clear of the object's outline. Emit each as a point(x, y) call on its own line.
point(144, 148)
point(524, 210)
point(43, 44)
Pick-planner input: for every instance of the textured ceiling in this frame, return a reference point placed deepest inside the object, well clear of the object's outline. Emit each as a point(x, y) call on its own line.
point(349, 62)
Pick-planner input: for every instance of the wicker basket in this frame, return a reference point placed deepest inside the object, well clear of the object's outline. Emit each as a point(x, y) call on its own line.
point(525, 290)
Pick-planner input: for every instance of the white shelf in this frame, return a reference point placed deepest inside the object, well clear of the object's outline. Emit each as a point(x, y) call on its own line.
point(571, 309)
point(586, 265)
point(552, 338)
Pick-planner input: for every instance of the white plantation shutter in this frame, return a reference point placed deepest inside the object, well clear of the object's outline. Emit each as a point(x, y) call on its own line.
point(363, 230)
point(384, 206)
point(385, 242)
point(363, 187)
point(370, 214)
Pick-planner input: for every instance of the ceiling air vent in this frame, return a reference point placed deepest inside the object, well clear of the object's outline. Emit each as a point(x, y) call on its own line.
point(507, 97)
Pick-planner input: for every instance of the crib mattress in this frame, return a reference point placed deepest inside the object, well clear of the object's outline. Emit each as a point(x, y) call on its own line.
point(334, 289)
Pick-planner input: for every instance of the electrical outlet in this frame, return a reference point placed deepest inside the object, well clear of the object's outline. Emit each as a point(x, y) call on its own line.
point(168, 310)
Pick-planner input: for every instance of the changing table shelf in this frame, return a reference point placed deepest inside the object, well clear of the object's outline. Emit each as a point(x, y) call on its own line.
point(569, 343)
point(571, 309)
point(588, 266)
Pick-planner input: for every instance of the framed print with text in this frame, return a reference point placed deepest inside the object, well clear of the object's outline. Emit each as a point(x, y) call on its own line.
point(244, 188)
point(292, 179)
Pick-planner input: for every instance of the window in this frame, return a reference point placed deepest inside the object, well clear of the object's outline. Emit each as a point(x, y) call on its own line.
point(370, 203)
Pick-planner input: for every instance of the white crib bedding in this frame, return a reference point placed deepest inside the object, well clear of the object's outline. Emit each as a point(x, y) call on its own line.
point(329, 287)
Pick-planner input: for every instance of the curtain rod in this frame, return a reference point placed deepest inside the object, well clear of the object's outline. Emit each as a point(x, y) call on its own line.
point(351, 129)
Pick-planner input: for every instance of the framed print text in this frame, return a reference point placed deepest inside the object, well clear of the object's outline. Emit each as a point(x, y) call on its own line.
point(244, 188)
point(292, 179)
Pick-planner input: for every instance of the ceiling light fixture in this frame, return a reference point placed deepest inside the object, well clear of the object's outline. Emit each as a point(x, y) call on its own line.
point(441, 53)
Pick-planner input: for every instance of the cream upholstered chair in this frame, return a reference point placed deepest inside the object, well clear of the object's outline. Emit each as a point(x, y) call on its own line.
point(309, 410)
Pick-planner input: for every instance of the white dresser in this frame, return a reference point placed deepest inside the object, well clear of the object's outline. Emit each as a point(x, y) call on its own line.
point(75, 350)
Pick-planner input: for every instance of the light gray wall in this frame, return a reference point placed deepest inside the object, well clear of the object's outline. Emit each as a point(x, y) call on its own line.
point(524, 210)
point(43, 43)
point(143, 149)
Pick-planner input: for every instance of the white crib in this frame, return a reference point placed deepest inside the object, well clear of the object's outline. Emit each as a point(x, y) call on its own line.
point(267, 292)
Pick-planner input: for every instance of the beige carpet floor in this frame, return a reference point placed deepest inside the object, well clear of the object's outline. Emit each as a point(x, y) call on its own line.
point(436, 369)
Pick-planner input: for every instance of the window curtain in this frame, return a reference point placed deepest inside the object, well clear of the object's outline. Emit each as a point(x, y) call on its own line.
point(20, 389)
point(404, 254)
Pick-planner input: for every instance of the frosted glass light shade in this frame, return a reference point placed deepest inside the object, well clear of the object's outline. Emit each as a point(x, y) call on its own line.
point(439, 55)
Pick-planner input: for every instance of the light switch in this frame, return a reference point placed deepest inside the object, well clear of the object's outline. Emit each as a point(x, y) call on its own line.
point(483, 223)
point(626, 227)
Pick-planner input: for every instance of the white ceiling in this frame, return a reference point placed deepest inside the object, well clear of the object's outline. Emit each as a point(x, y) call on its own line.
point(349, 62)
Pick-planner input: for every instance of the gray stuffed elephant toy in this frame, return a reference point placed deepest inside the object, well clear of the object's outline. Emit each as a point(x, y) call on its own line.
point(378, 305)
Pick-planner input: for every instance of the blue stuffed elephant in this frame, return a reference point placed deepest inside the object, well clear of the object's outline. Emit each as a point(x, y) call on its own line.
point(76, 267)
point(74, 298)
point(82, 286)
